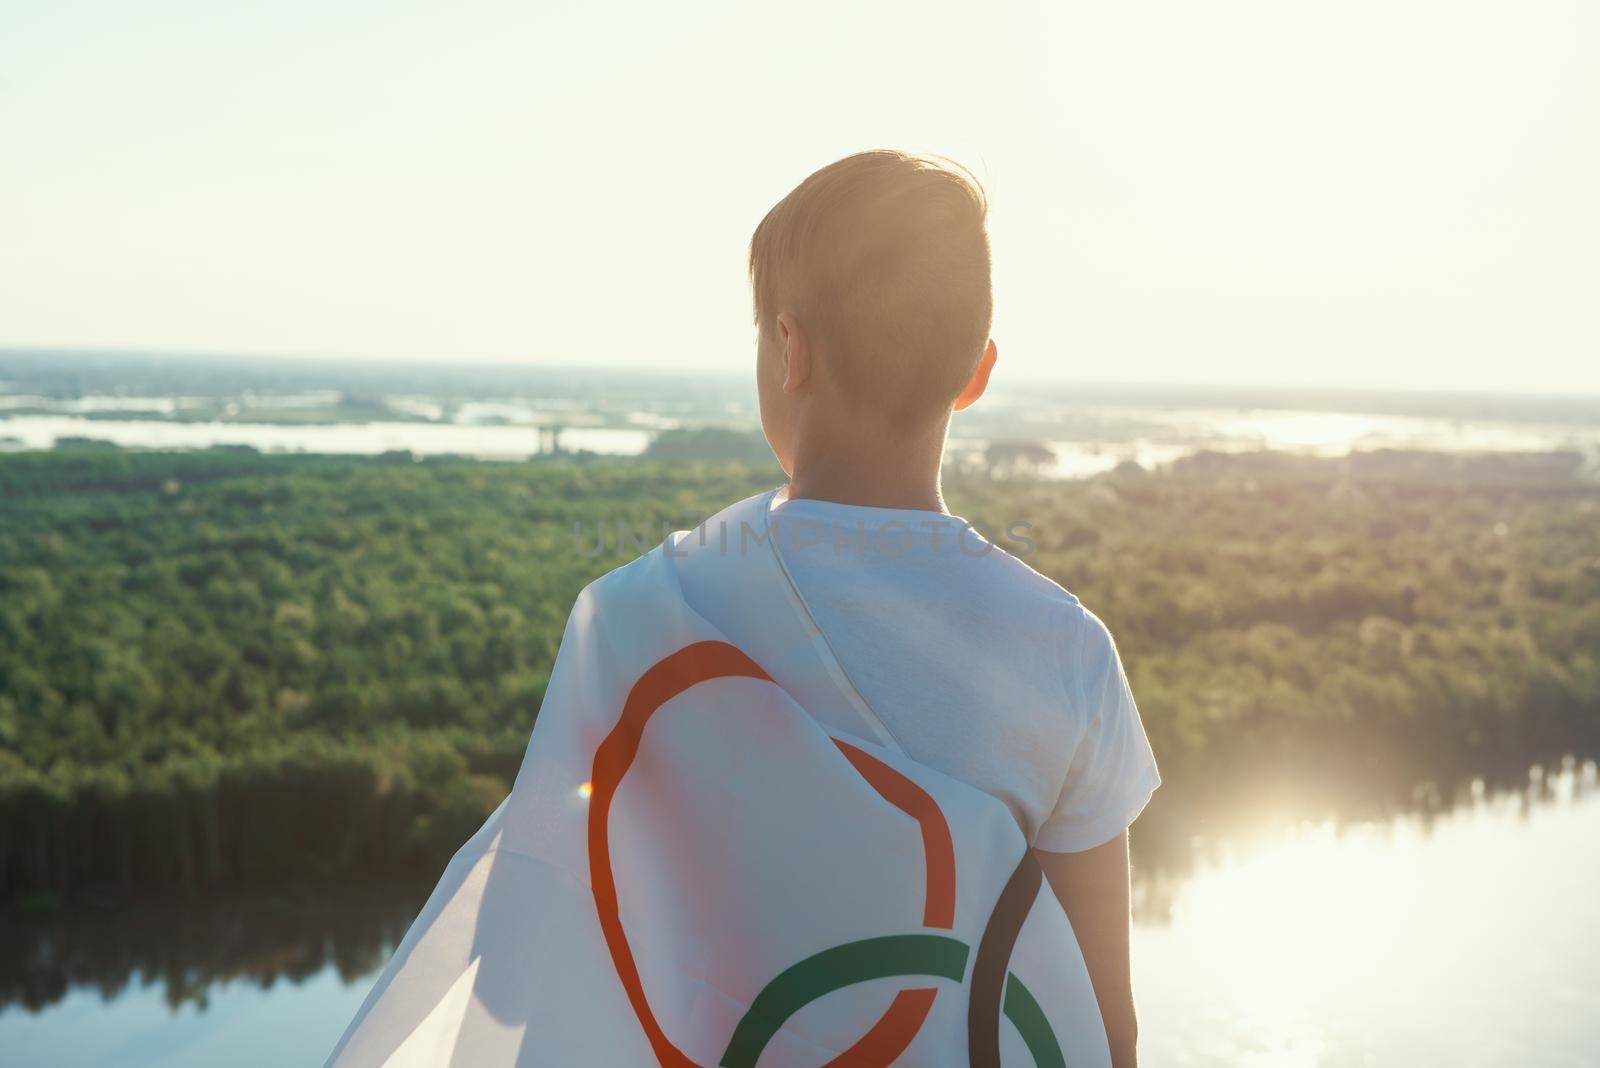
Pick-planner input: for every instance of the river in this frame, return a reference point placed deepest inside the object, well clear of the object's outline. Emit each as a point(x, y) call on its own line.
point(1468, 939)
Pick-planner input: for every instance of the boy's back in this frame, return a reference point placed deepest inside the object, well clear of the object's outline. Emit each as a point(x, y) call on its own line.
point(979, 666)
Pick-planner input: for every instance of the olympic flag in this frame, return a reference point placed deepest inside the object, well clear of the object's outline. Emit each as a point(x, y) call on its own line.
point(714, 854)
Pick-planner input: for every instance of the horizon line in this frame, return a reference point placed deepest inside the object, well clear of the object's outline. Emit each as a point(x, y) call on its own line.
point(686, 370)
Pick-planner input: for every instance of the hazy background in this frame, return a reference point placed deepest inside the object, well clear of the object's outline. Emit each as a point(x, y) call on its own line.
point(1359, 194)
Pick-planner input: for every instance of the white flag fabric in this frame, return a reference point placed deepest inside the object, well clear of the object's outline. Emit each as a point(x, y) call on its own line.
point(714, 854)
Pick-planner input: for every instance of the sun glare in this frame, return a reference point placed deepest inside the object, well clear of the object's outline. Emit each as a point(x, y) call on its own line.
point(1334, 945)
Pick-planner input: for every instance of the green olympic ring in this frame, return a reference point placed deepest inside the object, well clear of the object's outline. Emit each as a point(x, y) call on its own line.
point(879, 958)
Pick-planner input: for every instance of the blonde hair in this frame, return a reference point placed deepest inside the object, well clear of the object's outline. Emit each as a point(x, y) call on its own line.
point(883, 257)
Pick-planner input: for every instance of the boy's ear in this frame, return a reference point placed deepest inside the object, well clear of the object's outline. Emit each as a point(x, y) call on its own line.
point(980, 378)
point(796, 352)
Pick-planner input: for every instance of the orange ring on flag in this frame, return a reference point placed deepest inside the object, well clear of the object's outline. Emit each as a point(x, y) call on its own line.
point(939, 905)
point(669, 677)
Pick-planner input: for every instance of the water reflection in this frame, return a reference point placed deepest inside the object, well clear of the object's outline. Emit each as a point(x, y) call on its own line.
point(187, 948)
point(1459, 934)
point(1225, 817)
point(1460, 938)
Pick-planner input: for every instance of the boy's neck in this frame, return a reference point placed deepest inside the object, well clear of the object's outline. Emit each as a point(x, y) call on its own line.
point(865, 468)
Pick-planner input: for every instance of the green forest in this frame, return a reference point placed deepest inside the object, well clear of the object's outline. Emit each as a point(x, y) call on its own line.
point(223, 668)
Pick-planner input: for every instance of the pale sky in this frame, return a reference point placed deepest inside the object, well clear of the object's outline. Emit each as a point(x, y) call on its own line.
point(1368, 194)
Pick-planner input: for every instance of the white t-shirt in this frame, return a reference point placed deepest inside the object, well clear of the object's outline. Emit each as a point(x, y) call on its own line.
point(979, 666)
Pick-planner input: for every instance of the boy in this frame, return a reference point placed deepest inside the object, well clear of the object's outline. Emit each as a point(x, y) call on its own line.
point(791, 799)
point(872, 300)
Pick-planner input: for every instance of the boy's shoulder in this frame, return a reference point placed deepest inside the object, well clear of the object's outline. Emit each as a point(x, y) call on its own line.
point(1018, 577)
point(1082, 637)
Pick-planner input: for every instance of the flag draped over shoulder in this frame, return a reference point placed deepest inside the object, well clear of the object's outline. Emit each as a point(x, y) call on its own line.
point(714, 854)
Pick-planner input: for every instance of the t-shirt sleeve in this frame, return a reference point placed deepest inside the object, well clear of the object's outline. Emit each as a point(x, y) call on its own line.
point(1112, 772)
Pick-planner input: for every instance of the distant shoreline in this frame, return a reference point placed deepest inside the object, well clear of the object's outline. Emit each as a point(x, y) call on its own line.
point(99, 369)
